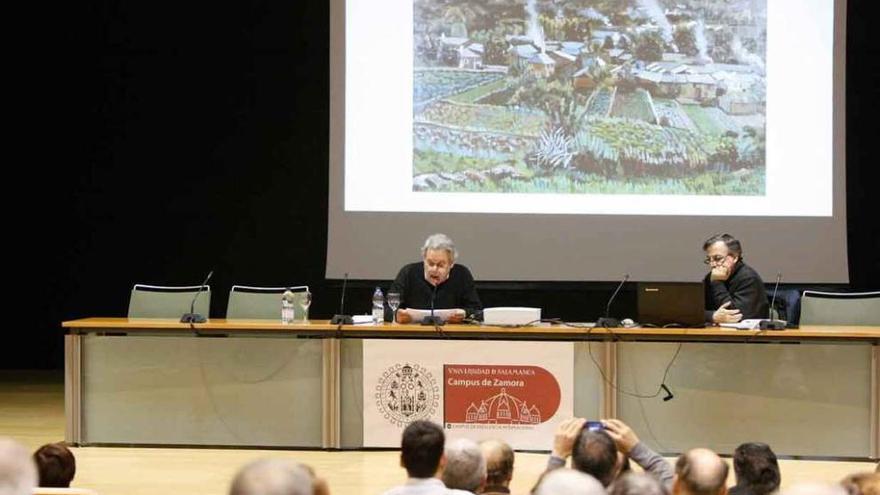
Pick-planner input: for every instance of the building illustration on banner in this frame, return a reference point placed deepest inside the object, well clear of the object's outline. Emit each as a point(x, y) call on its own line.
point(503, 408)
point(499, 395)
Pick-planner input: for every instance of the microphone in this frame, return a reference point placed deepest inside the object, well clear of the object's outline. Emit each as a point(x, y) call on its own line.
point(341, 318)
point(432, 320)
point(192, 316)
point(669, 395)
point(606, 321)
point(770, 323)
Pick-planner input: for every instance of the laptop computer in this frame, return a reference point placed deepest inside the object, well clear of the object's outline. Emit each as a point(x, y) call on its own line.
point(671, 304)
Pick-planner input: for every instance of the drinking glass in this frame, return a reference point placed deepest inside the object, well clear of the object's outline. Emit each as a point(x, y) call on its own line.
point(393, 303)
point(304, 302)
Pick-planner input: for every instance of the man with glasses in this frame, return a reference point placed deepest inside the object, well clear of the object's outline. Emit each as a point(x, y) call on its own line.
point(734, 290)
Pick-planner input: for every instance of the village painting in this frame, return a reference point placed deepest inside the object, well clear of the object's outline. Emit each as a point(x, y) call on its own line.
point(590, 96)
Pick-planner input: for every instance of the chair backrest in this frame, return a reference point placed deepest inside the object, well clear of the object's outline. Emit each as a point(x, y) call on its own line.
point(840, 308)
point(63, 491)
point(155, 301)
point(263, 303)
point(786, 306)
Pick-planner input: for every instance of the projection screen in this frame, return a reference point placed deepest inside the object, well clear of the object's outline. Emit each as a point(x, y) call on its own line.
point(583, 141)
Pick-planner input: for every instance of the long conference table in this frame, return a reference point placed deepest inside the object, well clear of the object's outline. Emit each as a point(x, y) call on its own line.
point(812, 392)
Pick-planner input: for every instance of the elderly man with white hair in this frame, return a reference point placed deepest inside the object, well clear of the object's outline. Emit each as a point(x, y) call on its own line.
point(465, 466)
point(276, 477)
point(565, 481)
point(436, 282)
point(18, 473)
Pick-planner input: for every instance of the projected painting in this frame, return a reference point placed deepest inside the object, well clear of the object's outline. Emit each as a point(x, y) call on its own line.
point(590, 96)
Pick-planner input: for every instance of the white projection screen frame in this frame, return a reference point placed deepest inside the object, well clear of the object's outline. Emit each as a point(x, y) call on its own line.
point(386, 221)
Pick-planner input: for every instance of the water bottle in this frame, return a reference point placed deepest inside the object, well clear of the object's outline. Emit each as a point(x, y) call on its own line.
point(378, 306)
point(287, 311)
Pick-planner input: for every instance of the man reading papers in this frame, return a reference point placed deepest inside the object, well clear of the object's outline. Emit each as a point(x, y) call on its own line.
point(436, 282)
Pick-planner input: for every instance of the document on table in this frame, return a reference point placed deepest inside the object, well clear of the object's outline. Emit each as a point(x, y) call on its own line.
point(750, 324)
point(444, 314)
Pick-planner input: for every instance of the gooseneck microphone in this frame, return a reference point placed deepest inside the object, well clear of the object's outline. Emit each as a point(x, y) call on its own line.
point(341, 318)
point(432, 320)
point(770, 323)
point(607, 321)
point(192, 316)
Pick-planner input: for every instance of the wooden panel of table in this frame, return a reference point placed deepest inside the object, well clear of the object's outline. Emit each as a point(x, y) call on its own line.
point(323, 329)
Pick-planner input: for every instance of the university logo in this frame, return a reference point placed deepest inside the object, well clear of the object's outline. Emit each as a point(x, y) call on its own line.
point(406, 393)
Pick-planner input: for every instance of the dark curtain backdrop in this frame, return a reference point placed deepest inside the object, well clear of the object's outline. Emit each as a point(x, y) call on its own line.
point(179, 138)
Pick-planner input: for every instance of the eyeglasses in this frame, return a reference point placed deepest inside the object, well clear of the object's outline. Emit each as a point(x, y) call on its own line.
point(715, 259)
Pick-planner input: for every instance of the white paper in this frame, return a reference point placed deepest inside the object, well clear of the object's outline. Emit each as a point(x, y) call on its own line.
point(418, 315)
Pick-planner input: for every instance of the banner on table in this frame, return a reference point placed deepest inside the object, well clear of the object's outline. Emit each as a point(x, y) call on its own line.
point(517, 391)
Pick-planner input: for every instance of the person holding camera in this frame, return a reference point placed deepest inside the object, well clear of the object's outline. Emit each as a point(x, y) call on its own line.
point(603, 448)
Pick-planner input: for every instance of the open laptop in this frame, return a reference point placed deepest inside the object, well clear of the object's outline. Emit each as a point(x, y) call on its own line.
point(671, 304)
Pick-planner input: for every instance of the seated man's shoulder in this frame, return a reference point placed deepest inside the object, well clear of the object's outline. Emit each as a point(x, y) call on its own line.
point(461, 269)
point(749, 272)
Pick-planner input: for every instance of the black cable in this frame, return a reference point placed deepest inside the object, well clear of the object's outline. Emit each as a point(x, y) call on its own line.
point(605, 378)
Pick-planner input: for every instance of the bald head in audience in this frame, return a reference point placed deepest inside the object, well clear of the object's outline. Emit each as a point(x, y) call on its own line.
point(499, 465)
point(636, 484)
point(465, 466)
point(272, 477)
point(862, 483)
point(700, 472)
point(568, 482)
point(18, 474)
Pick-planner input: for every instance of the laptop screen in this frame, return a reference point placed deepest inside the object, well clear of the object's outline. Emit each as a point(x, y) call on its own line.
point(671, 304)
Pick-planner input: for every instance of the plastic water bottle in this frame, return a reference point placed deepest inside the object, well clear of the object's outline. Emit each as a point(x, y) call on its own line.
point(287, 311)
point(378, 306)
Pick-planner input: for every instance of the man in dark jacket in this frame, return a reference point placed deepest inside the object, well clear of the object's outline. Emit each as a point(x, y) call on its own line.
point(734, 290)
point(437, 281)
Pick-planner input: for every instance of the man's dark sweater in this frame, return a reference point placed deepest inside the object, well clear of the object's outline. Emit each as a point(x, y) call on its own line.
point(743, 288)
point(458, 291)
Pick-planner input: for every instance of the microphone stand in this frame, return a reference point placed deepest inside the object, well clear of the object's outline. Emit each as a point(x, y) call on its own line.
point(607, 321)
point(341, 318)
point(192, 316)
point(770, 323)
point(436, 321)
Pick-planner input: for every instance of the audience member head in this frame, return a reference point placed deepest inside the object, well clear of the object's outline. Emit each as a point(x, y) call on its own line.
point(756, 468)
point(56, 465)
point(499, 463)
point(18, 474)
point(421, 449)
point(272, 477)
point(568, 482)
point(465, 466)
point(862, 483)
point(636, 484)
point(700, 472)
point(595, 453)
